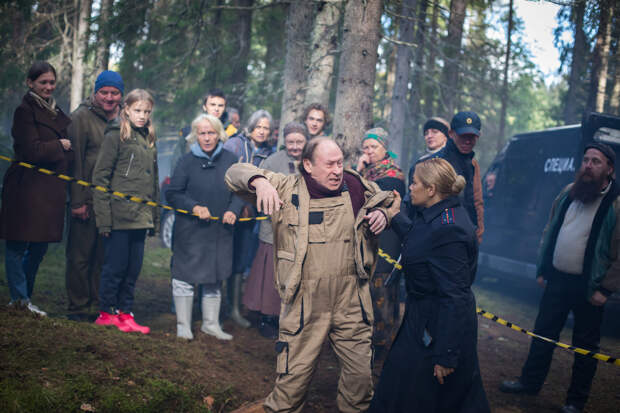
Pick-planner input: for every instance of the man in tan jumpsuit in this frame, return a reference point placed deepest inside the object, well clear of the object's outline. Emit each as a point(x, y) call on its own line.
point(325, 223)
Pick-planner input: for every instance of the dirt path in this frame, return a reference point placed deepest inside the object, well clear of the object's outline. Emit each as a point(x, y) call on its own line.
point(247, 364)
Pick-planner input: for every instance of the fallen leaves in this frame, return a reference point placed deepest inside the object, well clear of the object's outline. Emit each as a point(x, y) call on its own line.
point(208, 401)
point(85, 407)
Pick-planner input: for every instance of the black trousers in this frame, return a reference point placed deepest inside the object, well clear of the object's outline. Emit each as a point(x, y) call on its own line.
point(124, 252)
point(565, 293)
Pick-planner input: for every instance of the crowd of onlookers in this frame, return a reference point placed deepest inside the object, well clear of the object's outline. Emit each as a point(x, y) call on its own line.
point(320, 250)
point(110, 140)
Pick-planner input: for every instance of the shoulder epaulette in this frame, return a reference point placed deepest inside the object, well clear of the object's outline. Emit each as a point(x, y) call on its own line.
point(447, 216)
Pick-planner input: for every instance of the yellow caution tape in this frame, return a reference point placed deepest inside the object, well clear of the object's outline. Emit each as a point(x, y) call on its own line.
point(382, 254)
point(389, 259)
point(118, 194)
point(584, 352)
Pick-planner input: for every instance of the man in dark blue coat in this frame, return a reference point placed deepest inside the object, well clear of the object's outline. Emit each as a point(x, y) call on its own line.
point(459, 151)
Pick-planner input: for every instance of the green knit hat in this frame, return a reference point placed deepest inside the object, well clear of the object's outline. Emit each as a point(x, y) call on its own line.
point(381, 136)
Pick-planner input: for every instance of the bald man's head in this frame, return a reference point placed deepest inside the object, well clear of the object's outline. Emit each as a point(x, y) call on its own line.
point(322, 159)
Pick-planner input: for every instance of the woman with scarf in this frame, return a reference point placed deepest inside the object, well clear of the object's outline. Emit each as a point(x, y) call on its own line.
point(377, 164)
point(202, 243)
point(33, 204)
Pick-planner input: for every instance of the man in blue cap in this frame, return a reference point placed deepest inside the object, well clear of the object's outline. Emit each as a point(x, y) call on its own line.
point(84, 251)
point(459, 151)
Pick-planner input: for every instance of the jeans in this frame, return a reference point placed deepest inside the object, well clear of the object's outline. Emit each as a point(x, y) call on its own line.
point(124, 252)
point(22, 261)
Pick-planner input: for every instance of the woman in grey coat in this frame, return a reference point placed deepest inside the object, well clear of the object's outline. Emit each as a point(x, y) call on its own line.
point(202, 243)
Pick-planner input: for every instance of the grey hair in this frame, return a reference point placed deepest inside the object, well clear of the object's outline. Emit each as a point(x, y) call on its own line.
point(231, 111)
point(295, 127)
point(215, 124)
point(256, 117)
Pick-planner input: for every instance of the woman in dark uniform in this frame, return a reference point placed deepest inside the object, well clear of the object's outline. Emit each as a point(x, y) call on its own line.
point(433, 363)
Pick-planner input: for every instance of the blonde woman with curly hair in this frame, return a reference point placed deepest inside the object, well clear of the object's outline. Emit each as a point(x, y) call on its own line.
point(432, 365)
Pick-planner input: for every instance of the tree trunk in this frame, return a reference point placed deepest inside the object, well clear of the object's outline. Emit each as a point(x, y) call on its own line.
point(614, 99)
point(215, 35)
point(103, 36)
point(324, 48)
point(403, 69)
point(578, 65)
point(452, 57)
point(388, 87)
point(275, 54)
point(356, 77)
point(431, 90)
point(79, 51)
point(298, 30)
point(600, 58)
point(239, 63)
point(415, 118)
point(505, 97)
point(614, 96)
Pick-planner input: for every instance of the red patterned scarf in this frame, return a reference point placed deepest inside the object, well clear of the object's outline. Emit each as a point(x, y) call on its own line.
point(385, 168)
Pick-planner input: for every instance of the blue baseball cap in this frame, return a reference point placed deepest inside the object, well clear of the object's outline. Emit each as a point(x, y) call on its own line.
point(466, 122)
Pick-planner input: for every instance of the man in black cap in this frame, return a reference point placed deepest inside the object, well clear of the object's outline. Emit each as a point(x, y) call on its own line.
point(459, 151)
point(578, 259)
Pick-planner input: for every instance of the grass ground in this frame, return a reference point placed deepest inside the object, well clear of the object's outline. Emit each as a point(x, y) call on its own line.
point(56, 365)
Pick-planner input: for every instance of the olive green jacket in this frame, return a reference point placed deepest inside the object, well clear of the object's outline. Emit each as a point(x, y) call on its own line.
point(290, 224)
point(129, 167)
point(86, 131)
point(601, 260)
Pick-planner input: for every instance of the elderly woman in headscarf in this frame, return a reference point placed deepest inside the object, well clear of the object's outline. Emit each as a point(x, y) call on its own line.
point(377, 164)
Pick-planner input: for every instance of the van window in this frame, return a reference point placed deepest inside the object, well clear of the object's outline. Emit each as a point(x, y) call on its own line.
point(607, 135)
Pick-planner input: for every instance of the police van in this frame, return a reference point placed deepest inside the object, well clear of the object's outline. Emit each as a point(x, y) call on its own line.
point(521, 184)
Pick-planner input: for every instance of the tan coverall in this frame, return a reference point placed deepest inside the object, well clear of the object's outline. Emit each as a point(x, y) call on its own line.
point(323, 258)
point(328, 305)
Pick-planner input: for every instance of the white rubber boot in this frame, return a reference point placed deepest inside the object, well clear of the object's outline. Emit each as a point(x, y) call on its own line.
point(183, 306)
point(211, 317)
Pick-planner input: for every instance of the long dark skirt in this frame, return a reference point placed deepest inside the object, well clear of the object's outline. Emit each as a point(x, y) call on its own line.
point(260, 292)
point(386, 308)
point(407, 383)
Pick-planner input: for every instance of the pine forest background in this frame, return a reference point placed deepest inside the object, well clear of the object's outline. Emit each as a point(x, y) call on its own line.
point(389, 63)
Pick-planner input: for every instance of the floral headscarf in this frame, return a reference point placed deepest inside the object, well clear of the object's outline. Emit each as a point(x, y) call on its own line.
point(385, 168)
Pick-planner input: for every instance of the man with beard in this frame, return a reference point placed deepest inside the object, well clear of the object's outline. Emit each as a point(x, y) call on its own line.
point(578, 259)
point(84, 244)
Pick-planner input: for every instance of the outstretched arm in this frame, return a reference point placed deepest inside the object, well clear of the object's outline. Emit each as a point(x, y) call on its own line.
point(258, 186)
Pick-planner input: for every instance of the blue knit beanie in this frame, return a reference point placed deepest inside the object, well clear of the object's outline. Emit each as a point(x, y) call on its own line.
point(109, 78)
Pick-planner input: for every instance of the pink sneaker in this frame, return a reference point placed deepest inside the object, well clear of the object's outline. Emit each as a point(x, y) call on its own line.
point(130, 323)
point(107, 319)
